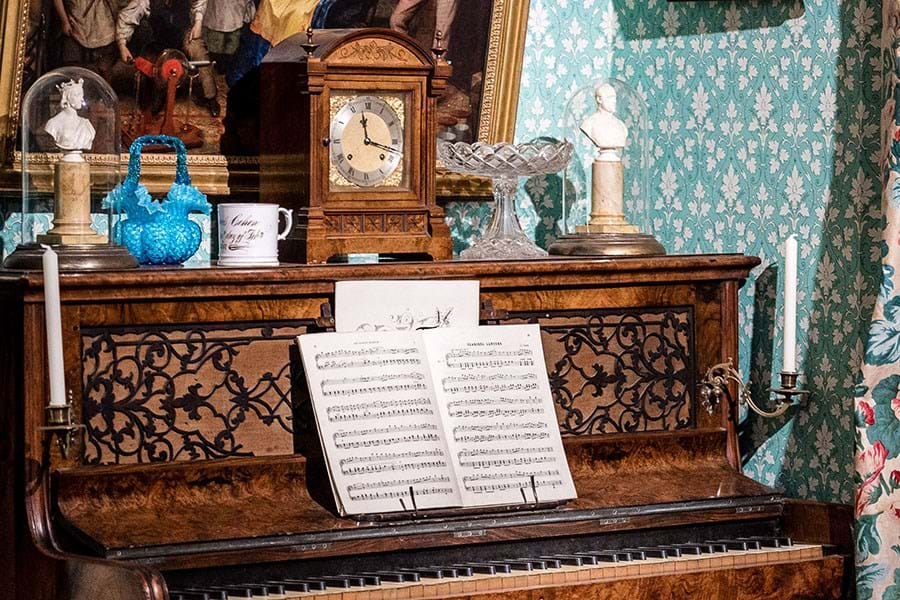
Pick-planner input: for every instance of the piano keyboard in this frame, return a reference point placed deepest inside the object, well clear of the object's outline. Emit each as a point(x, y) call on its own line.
point(518, 573)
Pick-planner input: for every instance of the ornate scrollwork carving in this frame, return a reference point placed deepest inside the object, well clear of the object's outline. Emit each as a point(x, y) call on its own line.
point(186, 393)
point(621, 370)
point(375, 52)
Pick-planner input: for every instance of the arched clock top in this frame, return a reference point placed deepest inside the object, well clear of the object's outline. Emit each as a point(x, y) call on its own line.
point(354, 47)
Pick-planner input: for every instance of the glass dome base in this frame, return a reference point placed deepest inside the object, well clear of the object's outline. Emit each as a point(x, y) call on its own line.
point(72, 257)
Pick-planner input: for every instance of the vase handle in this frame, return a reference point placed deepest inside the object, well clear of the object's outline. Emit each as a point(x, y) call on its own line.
point(289, 223)
point(134, 160)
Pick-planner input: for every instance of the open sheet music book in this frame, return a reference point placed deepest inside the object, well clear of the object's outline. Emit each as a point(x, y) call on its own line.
point(443, 418)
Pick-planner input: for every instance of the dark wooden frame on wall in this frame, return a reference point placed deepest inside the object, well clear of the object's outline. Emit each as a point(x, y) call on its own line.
point(22, 20)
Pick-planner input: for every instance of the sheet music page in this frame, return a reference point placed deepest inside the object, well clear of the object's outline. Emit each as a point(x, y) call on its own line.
point(403, 305)
point(492, 389)
point(381, 430)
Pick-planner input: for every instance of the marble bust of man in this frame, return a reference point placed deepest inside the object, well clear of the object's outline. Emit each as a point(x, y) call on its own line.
point(603, 127)
point(71, 132)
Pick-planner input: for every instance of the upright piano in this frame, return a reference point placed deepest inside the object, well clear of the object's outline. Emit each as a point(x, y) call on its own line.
point(195, 472)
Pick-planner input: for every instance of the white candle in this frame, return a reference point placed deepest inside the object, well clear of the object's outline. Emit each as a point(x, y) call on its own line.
point(790, 305)
point(53, 322)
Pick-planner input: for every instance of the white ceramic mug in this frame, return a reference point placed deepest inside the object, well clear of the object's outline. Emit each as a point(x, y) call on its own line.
point(248, 233)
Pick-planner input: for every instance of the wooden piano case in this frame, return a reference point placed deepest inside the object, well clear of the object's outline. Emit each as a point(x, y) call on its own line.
point(198, 457)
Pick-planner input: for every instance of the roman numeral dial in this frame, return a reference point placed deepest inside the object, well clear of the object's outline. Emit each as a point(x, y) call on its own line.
point(366, 136)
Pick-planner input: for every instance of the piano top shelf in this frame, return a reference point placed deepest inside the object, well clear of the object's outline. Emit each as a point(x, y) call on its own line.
point(213, 281)
point(189, 512)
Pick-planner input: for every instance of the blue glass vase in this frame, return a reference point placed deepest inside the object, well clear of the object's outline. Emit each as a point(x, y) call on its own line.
point(158, 233)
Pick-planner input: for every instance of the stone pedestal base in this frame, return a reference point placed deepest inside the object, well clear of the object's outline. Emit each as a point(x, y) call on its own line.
point(607, 200)
point(72, 206)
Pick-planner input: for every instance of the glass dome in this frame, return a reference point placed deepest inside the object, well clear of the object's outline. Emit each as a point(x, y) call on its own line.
point(630, 109)
point(606, 187)
point(70, 160)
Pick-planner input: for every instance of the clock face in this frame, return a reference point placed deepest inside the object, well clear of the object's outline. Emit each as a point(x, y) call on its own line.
point(366, 139)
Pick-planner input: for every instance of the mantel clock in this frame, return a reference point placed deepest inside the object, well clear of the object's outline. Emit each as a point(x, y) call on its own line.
point(347, 139)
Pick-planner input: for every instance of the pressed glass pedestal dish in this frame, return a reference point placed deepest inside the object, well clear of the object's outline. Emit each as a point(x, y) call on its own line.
point(504, 163)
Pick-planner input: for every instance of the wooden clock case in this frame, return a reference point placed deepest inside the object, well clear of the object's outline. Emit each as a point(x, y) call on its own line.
point(297, 80)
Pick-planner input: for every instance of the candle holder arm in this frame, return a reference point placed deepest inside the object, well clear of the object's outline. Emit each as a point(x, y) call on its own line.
point(715, 386)
point(61, 426)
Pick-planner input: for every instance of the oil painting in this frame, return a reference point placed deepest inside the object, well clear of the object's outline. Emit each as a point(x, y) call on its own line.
point(173, 62)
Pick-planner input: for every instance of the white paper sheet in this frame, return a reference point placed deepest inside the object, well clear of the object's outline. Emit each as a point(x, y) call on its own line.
point(492, 390)
point(397, 305)
point(381, 431)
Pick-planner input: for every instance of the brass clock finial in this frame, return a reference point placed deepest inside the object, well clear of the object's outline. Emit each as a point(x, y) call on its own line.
point(309, 46)
point(439, 49)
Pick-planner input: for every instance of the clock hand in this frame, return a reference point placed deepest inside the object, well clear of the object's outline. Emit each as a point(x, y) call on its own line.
point(365, 122)
point(382, 146)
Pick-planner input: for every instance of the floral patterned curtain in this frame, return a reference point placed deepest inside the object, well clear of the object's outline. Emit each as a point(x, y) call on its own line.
point(878, 390)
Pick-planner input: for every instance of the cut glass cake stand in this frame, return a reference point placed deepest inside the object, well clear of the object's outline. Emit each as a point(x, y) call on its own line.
point(504, 164)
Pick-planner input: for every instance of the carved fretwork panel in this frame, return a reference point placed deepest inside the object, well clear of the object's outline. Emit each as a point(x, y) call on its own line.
point(619, 370)
point(189, 392)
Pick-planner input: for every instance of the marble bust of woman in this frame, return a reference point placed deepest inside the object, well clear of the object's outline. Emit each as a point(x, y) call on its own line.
point(71, 132)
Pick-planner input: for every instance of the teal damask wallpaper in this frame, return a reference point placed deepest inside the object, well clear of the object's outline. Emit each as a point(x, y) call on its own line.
point(764, 121)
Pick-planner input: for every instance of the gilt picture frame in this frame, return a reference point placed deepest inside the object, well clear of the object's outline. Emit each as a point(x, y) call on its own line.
point(25, 25)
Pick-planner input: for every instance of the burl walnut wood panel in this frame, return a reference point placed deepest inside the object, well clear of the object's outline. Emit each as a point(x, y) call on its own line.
point(120, 506)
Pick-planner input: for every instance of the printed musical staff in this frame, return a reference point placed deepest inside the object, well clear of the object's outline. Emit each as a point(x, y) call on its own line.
point(495, 399)
point(453, 417)
point(395, 467)
point(380, 409)
point(380, 428)
point(400, 494)
point(389, 456)
point(368, 362)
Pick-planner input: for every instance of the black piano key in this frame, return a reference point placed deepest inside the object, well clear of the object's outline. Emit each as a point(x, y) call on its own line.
point(342, 581)
point(515, 565)
point(738, 544)
point(463, 571)
point(770, 542)
point(367, 578)
point(649, 552)
point(640, 553)
point(449, 572)
point(671, 551)
point(273, 589)
point(569, 560)
point(479, 568)
point(606, 556)
point(497, 567)
point(291, 586)
point(314, 585)
point(408, 576)
point(551, 562)
point(196, 595)
point(692, 549)
point(231, 593)
point(536, 565)
point(426, 572)
point(323, 583)
point(388, 576)
point(241, 591)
